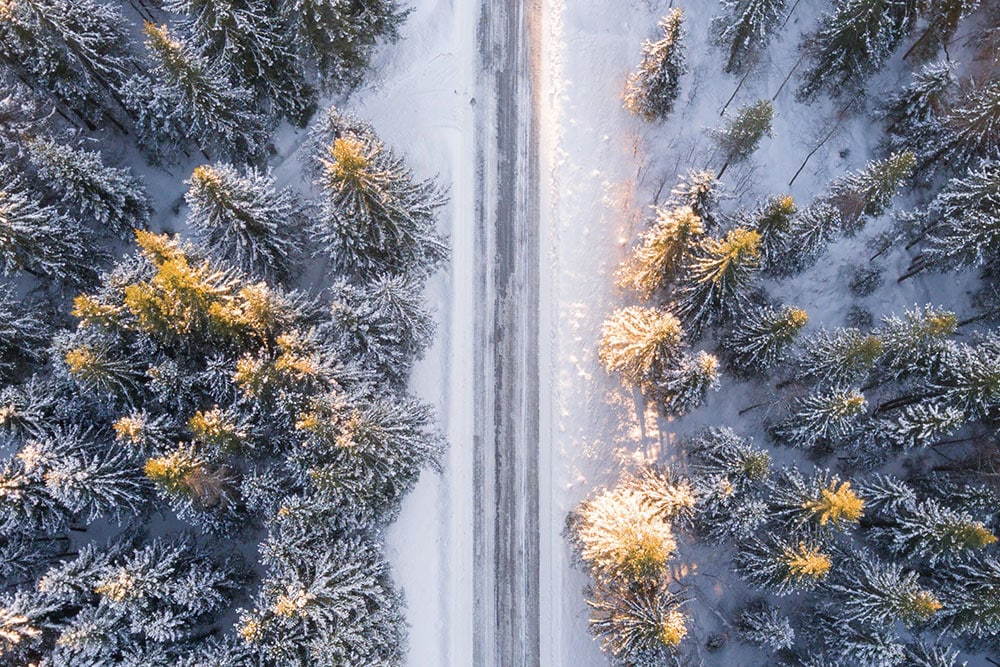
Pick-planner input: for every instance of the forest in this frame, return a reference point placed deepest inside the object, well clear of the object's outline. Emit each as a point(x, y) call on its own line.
point(849, 515)
point(205, 419)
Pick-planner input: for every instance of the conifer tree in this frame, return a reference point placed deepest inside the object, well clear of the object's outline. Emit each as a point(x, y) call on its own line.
point(922, 655)
point(700, 191)
point(74, 50)
point(255, 46)
point(377, 218)
point(854, 41)
point(921, 425)
point(24, 616)
point(914, 343)
point(820, 500)
point(870, 592)
point(969, 379)
point(773, 221)
point(822, 416)
point(962, 219)
point(971, 597)
point(662, 249)
point(637, 626)
point(841, 357)
point(763, 336)
point(246, 219)
point(806, 238)
point(717, 277)
point(763, 625)
point(869, 645)
point(739, 137)
point(40, 240)
point(22, 334)
point(339, 37)
point(652, 90)
point(640, 343)
point(867, 193)
point(199, 490)
point(971, 127)
point(721, 453)
point(684, 387)
point(943, 17)
point(746, 29)
point(780, 567)
point(931, 532)
point(913, 116)
point(189, 98)
point(101, 371)
point(110, 196)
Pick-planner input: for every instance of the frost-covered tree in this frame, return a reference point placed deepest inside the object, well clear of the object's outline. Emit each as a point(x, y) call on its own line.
point(808, 234)
point(868, 645)
point(101, 371)
point(963, 224)
point(773, 221)
point(717, 278)
point(921, 425)
point(640, 343)
point(40, 240)
point(75, 50)
point(840, 357)
point(972, 127)
point(772, 564)
point(913, 115)
point(700, 191)
point(970, 597)
point(255, 47)
point(652, 90)
point(720, 453)
point(376, 217)
point(684, 387)
point(819, 500)
point(934, 655)
point(931, 532)
point(26, 506)
point(662, 248)
point(739, 136)
point(188, 98)
point(969, 379)
point(110, 196)
point(763, 336)
point(637, 625)
point(763, 625)
point(868, 192)
point(746, 29)
point(822, 416)
point(873, 593)
point(339, 37)
point(23, 334)
point(914, 343)
point(854, 41)
point(245, 218)
point(198, 489)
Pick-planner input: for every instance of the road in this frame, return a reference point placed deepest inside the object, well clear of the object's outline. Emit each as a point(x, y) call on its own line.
point(506, 387)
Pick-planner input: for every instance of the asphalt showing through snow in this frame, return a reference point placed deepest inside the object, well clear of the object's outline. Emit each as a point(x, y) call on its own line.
point(506, 395)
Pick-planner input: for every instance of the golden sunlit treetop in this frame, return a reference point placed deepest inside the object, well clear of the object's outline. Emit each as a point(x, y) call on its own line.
point(836, 504)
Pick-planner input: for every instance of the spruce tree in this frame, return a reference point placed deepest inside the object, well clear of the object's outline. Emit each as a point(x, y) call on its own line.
point(763, 625)
point(972, 127)
point(805, 240)
point(931, 532)
point(854, 41)
point(746, 29)
point(189, 98)
point(717, 278)
point(684, 387)
point(971, 597)
point(23, 334)
point(376, 217)
point(739, 137)
point(913, 115)
point(652, 90)
point(841, 357)
point(969, 379)
point(637, 626)
point(256, 49)
point(110, 196)
point(921, 425)
point(74, 50)
point(700, 191)
point(914, 343)
point(964, 227)
point(823, 416)
point(719, 453)
point(662, 249)
point(868, 192)
point(640, 343)
point(246, 219)
point(781, 567)
point(339, 37)
point(817, 501)
point(873, 593)
point(773, 221)
point(763, 336)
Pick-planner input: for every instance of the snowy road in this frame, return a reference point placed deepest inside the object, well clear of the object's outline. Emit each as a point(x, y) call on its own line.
point(506, 396)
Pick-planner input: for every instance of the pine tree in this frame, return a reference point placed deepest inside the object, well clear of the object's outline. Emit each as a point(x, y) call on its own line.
point(717, 277)
point(921, 425)
point(637, 626)
point(773, 221)
point(913, 116)
point(652, 90)
point(823, 416)
point(971, 597)
point(377, 218)
point(662, 249)
point(110, 196)
point(878, 647)
point(853, 42)
point(841, 357)
point(806, 238)
point(26, 506)
point(40, 240)
point(684, 387)
point(339, 37)
point(762, 337)
point(190, 98)
point(921, 655)
point(719, 453)
point(196, 488)
point(24, 617)
point(101, 371)
point(964, 228)
point(819, 501)
point(75, 50)
point(763, 625)
point(640, 343)
point(739, 137)
point(22, 334)
point(700, 191)
point(931, 532)
point(245, 218)
point(779, 567)
point(914, 343)
point(867, 193)
point(969, 379)
point(943, 17)
point(972, 128)
point(253, 43)
point(746, 29)
point(871, 593)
